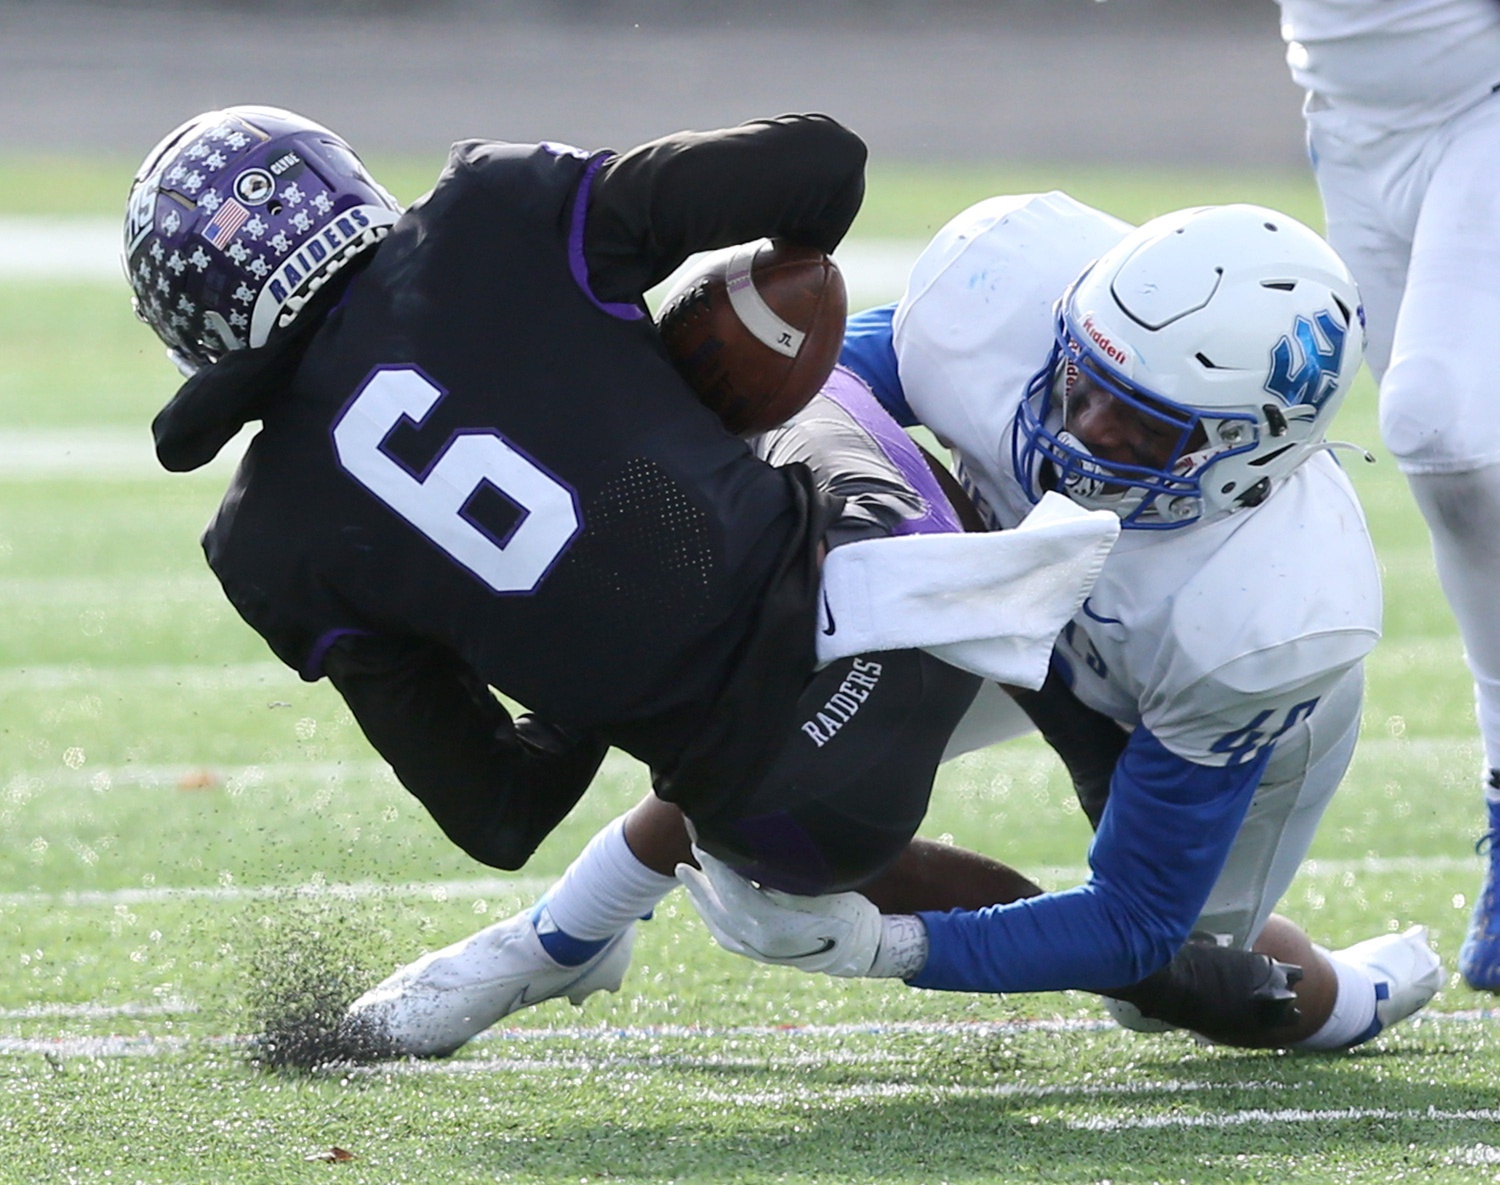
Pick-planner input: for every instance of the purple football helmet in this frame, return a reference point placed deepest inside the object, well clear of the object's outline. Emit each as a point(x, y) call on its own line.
point(235, 219)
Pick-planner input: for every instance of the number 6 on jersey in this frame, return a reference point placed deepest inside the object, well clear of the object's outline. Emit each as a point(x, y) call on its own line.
point(434, 503)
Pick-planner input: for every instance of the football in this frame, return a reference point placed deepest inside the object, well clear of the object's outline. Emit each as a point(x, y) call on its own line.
point(755, 330)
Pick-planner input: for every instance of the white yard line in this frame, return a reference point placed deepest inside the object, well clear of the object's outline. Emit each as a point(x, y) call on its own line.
point(61, 249)
point(482, 887)
point(487, 887)
point(110, 593)
point(274, 678)
point(32, 453)
point(101, 454)
point(92, 1047)
point(186, 676)
point(172, 1006)
point(609, 1037)
point(1263, 1118)
point(484, 1055)
point(23, 785)
point(88, 250)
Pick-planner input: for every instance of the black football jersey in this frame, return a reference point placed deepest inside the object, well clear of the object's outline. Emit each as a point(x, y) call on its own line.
point(478, 452)
point(485, 471)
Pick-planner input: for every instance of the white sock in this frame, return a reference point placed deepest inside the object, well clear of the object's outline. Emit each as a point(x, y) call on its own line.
point(1353, 1007)
point(606, 888)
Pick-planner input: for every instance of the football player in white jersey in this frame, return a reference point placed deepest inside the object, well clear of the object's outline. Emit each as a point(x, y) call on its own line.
point(1403, 123)
point(1184, 381)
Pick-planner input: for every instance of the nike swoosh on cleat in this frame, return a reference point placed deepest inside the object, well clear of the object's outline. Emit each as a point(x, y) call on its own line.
point(524, 1000)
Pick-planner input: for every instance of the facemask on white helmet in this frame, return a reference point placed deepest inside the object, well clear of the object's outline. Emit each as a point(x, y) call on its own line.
point(1232, 333)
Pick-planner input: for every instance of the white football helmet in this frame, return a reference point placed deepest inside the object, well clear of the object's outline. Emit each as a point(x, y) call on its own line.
point(1236, 327)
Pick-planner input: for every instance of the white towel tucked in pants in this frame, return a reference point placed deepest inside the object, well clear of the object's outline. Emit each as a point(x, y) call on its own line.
point(991, 603)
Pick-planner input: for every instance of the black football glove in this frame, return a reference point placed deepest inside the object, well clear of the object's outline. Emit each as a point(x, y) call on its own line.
point(1227, 994)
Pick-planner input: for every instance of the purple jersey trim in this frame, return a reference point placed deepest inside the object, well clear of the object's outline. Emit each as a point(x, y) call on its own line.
point(312, 666)
point(850, 392)
point(579, 266)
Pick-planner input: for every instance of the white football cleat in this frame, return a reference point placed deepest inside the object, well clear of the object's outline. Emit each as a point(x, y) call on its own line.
point(1406, 971)
point(432, 1006)
point(1128, 1016)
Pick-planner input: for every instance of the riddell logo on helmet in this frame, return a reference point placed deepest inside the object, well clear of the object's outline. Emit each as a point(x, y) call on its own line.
point(1103, 341)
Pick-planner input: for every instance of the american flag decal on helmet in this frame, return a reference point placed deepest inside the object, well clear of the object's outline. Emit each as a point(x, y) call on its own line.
point(228, 219)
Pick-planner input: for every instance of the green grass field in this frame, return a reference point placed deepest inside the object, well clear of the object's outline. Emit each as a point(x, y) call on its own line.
point(182, 823)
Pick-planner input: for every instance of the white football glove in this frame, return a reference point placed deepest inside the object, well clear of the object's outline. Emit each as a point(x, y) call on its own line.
point(838, 934)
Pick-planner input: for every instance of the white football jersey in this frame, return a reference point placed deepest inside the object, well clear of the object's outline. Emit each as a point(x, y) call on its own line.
point(1219, 637)
point(1395, 63)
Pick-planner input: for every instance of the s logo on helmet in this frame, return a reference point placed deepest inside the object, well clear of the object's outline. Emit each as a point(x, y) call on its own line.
point(1305, 363)
point(140, 213)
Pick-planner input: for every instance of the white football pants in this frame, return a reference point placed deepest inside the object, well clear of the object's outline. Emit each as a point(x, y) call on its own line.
point(1416, 215)
point(1305, 770)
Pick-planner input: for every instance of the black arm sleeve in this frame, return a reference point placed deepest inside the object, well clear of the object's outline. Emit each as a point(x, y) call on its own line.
point(496, 788)
point(799, 177)
point(847, 463)
point(1089, 742)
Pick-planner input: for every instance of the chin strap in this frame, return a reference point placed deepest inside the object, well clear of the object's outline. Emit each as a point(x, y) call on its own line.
point(1261, 490)
point(186, 367)
point(1333, 445)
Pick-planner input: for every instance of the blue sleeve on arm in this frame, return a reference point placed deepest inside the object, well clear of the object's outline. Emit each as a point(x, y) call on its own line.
point(1161, 844)
point(869, 352)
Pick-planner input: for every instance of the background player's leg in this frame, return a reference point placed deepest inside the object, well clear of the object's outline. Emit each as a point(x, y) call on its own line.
point(1440, 416)
point(1463, 516)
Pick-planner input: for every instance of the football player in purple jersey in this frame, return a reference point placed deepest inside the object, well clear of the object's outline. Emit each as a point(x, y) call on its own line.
point(476, 467)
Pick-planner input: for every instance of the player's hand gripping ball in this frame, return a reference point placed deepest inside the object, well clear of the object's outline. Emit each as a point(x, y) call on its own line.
point(755, 330)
